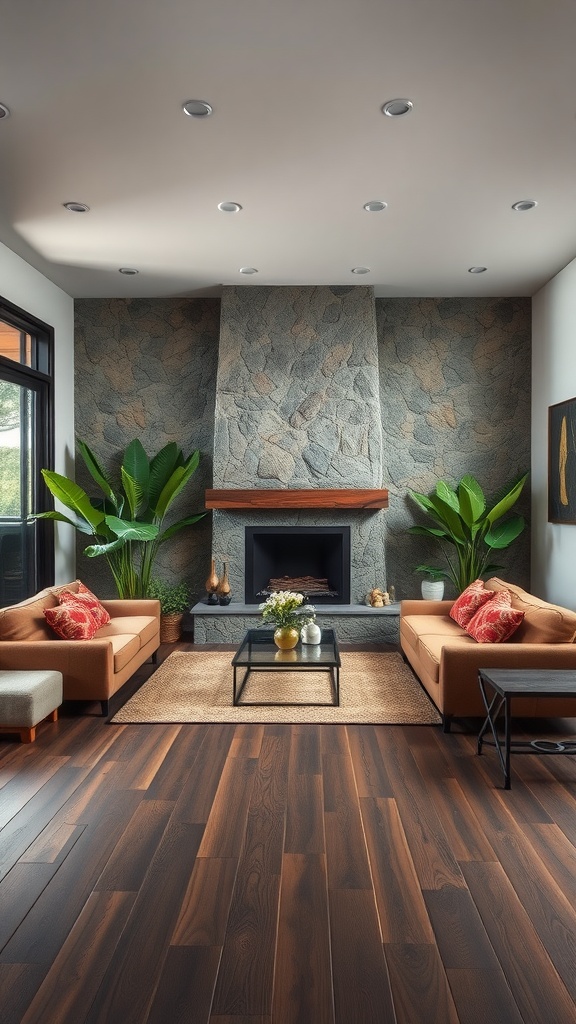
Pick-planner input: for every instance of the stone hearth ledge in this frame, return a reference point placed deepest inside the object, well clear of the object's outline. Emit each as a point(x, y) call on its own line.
point(353, 623)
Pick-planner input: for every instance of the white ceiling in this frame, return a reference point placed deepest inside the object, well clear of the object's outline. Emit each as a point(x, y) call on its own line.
point(96, 87)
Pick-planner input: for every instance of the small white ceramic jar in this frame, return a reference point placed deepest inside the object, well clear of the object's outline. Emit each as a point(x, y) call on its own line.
point(311, 633)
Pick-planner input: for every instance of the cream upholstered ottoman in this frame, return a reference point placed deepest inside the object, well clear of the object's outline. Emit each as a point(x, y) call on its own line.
point(27, 698)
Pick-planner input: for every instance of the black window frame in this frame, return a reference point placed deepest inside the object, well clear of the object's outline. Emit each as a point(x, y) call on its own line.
point(42, 335)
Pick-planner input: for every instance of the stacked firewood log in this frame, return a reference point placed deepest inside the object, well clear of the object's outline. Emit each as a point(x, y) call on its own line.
point(305, 584)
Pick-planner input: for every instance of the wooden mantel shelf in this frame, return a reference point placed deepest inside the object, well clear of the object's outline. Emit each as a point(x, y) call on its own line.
point(236, 498)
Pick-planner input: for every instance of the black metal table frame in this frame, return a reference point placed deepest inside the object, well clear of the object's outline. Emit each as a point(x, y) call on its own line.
point(332, 670)
point(493, 707)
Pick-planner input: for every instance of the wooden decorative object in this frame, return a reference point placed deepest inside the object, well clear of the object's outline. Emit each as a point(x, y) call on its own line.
point(256, 498)
point(212, 581)
point(224, 584)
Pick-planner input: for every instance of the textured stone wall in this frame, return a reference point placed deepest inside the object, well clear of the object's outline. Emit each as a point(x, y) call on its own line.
point(146, 368)
point(455, 397)
point(298, 405)
point(297, 401)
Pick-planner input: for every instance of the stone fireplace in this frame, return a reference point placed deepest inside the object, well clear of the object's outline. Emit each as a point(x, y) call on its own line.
point(307, 556)
point(297, 406)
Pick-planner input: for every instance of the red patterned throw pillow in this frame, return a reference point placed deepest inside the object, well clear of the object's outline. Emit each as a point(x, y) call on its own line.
point(496, 621)
point(89, 600)
point(71, 621)
point(470, 600)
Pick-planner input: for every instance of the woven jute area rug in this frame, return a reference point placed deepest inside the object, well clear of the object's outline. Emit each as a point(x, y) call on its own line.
point(375, 688)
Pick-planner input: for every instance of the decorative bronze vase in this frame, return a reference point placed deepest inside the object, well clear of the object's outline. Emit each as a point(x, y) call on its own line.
point(286, 637)
point(212, 581)
point(224, 590)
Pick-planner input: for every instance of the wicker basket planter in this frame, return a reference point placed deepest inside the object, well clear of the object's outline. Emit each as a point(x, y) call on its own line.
point(170, 628)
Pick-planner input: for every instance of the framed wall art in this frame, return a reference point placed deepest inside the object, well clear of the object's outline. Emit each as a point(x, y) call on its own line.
point(562, 462)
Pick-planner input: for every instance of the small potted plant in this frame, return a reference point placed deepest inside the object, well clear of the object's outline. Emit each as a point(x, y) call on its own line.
point(174, 601)
point(467, 528)
point(432, 586)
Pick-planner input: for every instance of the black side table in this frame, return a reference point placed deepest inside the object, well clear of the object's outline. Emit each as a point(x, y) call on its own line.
point(509, 683)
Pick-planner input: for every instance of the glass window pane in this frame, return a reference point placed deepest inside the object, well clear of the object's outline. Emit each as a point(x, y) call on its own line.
point(10, 449)
point(15, 344)
point(26, 446)
point(17, 535)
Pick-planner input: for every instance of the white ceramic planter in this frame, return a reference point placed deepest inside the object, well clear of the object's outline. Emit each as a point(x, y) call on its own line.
point(432, 590)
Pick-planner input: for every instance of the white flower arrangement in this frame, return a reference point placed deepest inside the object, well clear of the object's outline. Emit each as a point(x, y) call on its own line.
point(285, 608)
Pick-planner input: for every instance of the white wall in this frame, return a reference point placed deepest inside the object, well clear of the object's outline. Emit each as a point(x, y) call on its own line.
point(553, 380)
point(27, 288)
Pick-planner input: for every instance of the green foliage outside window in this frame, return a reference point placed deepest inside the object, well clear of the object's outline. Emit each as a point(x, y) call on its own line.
point(10, 503)
point(9, 405)
point(9, 482)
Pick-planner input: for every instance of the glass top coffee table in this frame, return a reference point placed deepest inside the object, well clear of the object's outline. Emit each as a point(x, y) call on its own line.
point(258, 653)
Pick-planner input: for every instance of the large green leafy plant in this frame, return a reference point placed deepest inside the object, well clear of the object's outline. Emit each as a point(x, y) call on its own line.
point(466, 530)
point(128, 523)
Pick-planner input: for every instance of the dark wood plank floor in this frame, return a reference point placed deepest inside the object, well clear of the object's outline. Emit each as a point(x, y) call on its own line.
point(282, 875)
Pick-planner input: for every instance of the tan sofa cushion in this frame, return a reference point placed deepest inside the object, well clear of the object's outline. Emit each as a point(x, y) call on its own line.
point(543, 623)
point(144, 627)
point(124, 648)
point(415, 626)
point(25, 621)
point(430, 651)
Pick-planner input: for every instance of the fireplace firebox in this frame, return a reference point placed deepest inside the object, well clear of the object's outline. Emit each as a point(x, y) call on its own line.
point(321, 553)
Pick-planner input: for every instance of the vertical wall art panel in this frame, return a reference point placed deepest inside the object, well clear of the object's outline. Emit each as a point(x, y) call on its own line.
point(562, 462)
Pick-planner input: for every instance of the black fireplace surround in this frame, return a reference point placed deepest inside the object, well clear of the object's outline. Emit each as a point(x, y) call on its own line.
point(319, 551)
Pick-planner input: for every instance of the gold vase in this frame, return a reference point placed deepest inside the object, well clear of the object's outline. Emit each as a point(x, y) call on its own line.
point(212, 581)
point(286, 637)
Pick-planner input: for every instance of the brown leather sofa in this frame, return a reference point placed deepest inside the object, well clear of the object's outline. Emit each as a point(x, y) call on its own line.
point(447, 660)
point(92, 670)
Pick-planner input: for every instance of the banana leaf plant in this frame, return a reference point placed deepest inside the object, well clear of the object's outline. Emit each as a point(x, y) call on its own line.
point(128, 522)
point(466, 530)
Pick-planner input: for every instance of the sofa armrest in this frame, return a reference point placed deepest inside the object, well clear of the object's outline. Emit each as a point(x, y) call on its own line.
point(132, 606)
point(425, 607)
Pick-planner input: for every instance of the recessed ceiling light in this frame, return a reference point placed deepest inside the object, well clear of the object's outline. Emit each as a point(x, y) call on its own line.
point(229, 207)
point(397, 108)
point(360, 270)
point(76, 207)
point(248, 270)
point(476, 270)
point(375, 206)
point(129, 271)
point(524, 204)
point(197, 108)
point(4, 111)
